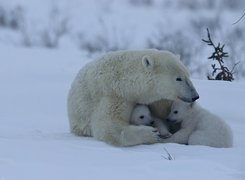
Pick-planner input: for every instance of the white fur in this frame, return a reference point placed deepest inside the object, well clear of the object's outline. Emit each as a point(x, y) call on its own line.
point(105, 91)
point(141, 115)
point(199, 126)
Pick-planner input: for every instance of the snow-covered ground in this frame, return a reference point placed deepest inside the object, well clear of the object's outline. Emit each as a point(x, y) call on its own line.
point(35, 142)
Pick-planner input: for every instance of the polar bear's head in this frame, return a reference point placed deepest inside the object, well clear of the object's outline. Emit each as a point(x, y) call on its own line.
point(141, 115)
point(179, 110)
point(160, 75)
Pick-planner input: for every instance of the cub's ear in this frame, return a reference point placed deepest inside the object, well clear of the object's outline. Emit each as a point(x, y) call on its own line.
point(147, 62)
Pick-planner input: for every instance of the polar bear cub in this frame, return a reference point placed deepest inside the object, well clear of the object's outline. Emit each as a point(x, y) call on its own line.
point(141, 115)
point(199, 127)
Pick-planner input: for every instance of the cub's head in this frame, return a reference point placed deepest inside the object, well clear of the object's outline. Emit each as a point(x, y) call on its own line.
point(179, 110)
point(167, 78)
point(141, 116)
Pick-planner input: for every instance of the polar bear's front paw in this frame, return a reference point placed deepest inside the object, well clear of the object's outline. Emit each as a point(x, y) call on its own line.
point(164, 136)
point(133, 135)
point(149, 135)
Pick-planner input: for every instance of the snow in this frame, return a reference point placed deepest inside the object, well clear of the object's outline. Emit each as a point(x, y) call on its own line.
point(104, 25)
point(35, 142)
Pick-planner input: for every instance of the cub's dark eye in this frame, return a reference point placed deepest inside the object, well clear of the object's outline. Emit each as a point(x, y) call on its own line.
point(178, 79)
point(142, 117)
point(175, 112)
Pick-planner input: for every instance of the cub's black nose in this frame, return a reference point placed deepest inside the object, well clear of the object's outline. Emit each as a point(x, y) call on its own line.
point(195, 98)
point(151, 123)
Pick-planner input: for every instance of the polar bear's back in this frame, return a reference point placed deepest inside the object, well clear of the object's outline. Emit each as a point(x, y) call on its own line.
point(119, 69)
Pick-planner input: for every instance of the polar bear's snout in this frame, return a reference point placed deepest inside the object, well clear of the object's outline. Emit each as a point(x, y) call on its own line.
point(173, 121)
point(189, 100)
point(195, 98)
point(194, 95)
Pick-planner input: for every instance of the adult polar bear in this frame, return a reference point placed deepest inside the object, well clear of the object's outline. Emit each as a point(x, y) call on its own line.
point(105, 91)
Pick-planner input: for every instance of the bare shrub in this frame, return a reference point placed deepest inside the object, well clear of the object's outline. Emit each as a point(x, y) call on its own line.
point(197, 4)
point(26, 37)
point(58, 26)
point(142, 2)
point(2, 17)
point(99, 43)
point(108, 39)
point(49, 35)
point(16, 18)
point(11, 18)
point(223, 73)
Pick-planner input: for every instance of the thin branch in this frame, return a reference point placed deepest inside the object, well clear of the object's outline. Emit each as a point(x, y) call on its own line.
point(209, 41)
point(234, 67)
point(239, 18)
point(169, 157)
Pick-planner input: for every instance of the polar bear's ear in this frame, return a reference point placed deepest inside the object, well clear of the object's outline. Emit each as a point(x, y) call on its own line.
point(147, 62)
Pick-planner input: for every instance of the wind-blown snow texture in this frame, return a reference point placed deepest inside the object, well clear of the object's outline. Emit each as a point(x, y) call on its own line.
point(35, 142)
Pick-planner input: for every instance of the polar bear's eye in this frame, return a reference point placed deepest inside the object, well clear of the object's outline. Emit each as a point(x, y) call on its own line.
point(175, 112)
point(142, 117)
point(178, 79)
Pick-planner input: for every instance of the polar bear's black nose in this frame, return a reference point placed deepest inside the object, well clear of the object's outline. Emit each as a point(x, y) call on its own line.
point(195, 98)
